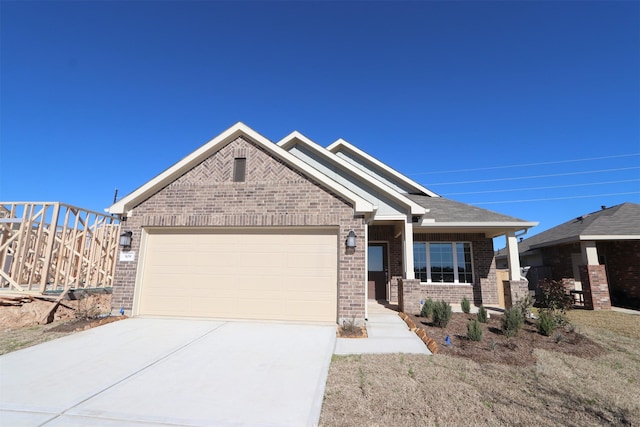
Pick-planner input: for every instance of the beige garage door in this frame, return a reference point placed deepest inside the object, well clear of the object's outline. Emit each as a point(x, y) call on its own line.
point(256, 274)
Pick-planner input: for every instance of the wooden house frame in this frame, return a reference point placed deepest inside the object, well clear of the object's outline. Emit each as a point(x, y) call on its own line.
point(50, 246)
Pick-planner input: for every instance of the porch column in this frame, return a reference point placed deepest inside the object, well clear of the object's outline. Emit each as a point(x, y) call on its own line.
point(514, 256)
point(589, 253)
point(408, 249)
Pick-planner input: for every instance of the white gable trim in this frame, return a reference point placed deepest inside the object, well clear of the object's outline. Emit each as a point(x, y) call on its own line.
point(341, 143)
point(239, 129)
point(296, 137)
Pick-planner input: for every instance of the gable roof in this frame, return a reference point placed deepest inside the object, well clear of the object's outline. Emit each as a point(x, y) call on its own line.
point(128, 202)
point(341, 144)
point(296, 137)
point(620, 222)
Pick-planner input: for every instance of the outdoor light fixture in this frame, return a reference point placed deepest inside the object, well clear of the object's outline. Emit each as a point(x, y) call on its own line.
point(125, 240)
point(351, 239)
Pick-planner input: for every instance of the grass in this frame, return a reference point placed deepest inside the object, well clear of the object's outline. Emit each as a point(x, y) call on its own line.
point(560, 389)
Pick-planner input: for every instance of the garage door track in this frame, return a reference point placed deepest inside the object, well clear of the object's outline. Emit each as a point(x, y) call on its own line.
point(144, 372)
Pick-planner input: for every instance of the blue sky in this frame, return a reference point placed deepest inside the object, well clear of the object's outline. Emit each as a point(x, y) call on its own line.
point(102, 95)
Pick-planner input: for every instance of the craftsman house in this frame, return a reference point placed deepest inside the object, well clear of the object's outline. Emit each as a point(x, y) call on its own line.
point(596, 255)
point(247, 228)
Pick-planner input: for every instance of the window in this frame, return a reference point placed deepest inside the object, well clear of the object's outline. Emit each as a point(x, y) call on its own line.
point(443, 262)
point(239, 169)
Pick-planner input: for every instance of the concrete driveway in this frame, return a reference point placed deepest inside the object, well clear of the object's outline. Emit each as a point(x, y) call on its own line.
point(144, 372)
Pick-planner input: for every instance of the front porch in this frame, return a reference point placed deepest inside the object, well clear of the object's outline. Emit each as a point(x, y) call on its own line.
point(443, 265)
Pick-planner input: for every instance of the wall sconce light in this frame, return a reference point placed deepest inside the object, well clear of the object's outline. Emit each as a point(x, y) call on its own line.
point(125, 240)
point(351, 240)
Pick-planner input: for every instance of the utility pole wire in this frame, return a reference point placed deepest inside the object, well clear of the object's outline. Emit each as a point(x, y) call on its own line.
point(542, 188)
point(555, 198)
point(532, 176)
point(557, 162)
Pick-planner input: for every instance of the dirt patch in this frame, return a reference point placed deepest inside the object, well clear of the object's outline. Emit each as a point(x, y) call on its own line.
point(353, 332)
point(20, 325)
point(495, 347)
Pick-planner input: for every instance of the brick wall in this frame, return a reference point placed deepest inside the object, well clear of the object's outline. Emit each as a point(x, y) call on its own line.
point(273, 195)
point(595, 287)
point(622, 259)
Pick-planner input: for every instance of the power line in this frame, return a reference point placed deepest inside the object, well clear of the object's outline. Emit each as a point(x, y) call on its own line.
point(533, 176)
point(555, 198)
point(527, 164)
point(541, 188)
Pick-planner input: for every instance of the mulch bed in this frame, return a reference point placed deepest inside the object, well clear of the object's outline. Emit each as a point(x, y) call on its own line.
point(82, 324)
point(354, 332)
point(497, 348)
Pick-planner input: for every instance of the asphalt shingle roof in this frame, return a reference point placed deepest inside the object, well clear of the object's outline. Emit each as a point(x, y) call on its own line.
point(619, 220)
point(446, 210)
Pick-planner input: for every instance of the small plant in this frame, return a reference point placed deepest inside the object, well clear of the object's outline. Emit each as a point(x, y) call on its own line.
point(466, 305)
point(546, 323)
point(441, 314)
point(427, 308)
point(412, 373)
point(493, 345)
point(554, 295)
point(482, 315)
point(524, 304)
point(512, 321)
point(474, 330)
point(350, 326)
point(558, 338)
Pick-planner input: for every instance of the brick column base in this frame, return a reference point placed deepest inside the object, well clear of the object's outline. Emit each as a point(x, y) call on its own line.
point(518, 289)
point(409, 295)
point(595, 287)
point(393, 298)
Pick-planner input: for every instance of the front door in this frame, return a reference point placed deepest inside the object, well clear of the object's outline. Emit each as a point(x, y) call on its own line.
point(377, 271)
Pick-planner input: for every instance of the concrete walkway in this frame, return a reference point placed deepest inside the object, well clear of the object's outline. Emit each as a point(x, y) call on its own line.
point(387, 334)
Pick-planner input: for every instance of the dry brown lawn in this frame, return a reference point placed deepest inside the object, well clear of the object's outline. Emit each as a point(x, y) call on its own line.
point(446, 390)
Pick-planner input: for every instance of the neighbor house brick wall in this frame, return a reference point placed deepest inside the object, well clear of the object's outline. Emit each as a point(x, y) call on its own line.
point(273, 195)
point(622, 259)
point(595, 287)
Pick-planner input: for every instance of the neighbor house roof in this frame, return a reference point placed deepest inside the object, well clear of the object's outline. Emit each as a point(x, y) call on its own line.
point(620, 222)
point(124, 205)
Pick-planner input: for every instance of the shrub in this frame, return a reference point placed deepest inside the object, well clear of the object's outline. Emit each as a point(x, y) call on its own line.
point(524, 304)
point(512, 321)
point(427, 308)
point(474, 330)
point(554, 296)
point(441, 314)
point(546, 323)
point(482, 315)
point(466, 305)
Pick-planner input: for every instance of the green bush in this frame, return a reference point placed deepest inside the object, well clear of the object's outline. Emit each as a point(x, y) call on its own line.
point(482, 315)
point(466, 305)
point(441, 314)
point(546, 322)
point(474, 330)
point(427, 308)
point(512, 321)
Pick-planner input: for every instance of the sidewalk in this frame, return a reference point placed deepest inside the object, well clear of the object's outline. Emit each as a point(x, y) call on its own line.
point(388, 333)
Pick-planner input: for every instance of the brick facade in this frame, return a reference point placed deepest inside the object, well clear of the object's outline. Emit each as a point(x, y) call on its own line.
point(595, 287)
point(622, 259)
point(272, 195)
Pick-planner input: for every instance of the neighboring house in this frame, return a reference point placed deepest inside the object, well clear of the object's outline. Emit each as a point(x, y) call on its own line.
point(606, 244)
point(245, 228)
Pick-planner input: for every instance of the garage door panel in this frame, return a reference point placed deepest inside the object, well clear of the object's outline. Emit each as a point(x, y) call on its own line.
point(260, 274)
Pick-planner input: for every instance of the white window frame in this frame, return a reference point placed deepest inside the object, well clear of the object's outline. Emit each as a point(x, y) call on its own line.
point(456, 278)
